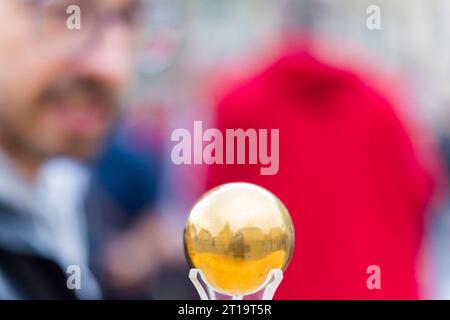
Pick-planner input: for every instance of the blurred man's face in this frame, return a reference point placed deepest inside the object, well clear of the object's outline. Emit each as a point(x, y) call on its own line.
point(58, 98)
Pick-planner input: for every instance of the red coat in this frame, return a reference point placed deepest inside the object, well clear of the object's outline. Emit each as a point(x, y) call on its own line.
point(348, 175)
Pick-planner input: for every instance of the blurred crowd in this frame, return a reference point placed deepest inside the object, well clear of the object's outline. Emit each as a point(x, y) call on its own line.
point(86, 118)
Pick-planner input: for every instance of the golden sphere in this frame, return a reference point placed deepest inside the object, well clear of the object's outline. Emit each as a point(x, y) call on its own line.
point(236, 233)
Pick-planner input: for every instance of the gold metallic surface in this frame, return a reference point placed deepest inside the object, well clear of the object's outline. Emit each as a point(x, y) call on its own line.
point(236, 233)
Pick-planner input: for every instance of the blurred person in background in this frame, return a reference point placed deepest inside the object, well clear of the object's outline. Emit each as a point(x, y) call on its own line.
point(60, 92)
point(351, 174)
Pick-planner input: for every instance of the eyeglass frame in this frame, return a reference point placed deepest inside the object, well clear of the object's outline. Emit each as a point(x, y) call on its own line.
point(101, 19)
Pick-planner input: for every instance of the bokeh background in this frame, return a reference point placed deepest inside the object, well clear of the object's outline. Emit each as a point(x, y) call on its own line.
point(200, 49)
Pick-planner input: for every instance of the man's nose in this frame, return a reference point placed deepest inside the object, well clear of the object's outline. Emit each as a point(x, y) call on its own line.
point(109, 58)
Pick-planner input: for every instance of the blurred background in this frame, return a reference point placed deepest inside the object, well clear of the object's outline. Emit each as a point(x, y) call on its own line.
point(202, 48)
point(199, 50)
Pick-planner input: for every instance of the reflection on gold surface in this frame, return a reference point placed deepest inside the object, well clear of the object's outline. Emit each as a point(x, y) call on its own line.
point(235, 234)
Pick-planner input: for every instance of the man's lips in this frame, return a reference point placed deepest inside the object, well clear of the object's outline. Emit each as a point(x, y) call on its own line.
point(81, 120)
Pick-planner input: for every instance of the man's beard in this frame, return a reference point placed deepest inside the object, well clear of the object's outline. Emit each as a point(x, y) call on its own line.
point(15, 139)
point(82, 86)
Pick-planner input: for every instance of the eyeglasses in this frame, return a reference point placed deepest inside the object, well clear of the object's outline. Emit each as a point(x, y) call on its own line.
point(68, 26)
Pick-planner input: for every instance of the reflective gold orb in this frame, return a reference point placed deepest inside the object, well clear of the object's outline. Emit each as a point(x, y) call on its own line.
point(236, 233)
